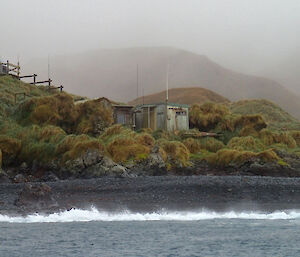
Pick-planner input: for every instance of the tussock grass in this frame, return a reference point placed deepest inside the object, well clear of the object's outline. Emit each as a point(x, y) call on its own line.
point(276, 117)
point(255, 121)
point(248, 143)
point(209, 144)
point(296, 135)
point(10, 148)
point(269, 137)
point(93, 117)
point(123, 149)
point(227, 157)
point(80, 147)
point(124, 145)
point(177, 153)
point(207, 116)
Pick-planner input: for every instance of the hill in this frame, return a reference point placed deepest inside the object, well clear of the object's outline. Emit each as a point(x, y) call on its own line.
point(190, 96)
point(112, 73)
point(275, 116)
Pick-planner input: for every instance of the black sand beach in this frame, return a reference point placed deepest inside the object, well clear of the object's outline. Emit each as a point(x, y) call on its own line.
point(147, 194)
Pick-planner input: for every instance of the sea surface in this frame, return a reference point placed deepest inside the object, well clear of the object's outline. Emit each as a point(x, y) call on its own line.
point(199, 233)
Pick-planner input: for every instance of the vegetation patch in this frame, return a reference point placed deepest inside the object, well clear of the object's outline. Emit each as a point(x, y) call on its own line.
point(248, 143)
point(228, 157)
point(178, 154)
point(10, 148)
point(269, 137)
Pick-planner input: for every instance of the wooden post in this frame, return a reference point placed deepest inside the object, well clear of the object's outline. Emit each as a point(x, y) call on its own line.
point(7, 65)
point(34, 78)
point(18, 69)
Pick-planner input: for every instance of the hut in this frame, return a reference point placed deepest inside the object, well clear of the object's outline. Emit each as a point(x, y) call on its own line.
point(171, 116)
point(123, 114)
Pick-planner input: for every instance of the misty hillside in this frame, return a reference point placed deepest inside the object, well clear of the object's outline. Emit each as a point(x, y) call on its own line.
point(183, 96)
point(112, 73)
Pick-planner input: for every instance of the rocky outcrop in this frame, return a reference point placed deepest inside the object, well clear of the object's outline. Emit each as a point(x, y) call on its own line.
point(154, 165)
point(93, 163)
point(36, 196)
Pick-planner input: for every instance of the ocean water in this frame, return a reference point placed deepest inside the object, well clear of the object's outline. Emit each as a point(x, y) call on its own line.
point(199, 233)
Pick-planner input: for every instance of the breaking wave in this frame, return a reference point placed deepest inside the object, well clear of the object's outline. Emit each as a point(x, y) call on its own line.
point(78, 215)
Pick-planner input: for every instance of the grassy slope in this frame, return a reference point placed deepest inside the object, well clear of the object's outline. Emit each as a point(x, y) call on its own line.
point(50, 139)
point(276, 117)
point(190, 96)
point(9, 86)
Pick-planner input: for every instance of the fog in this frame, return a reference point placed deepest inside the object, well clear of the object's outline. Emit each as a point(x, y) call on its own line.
point(252, 36)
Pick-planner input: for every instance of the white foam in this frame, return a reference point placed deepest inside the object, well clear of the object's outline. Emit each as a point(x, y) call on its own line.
point(78, 215)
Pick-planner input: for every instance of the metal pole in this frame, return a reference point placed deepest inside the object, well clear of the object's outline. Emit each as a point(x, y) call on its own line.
point(167, 98)
point(137, 81)
point(148, 117)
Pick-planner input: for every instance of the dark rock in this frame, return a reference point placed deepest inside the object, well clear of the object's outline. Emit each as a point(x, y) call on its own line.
point(19, 178)
point(35, 196)
point(49, 176)
point(4, 178)
point(106, 167)
point(23, 167)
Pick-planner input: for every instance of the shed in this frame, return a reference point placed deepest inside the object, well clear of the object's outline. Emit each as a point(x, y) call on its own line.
point(171, 117)
point(123, 114)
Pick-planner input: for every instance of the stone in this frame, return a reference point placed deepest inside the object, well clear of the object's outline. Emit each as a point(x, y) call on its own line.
point(4, 177)
point(19, 178)
point(36, 196)
point(49, 177)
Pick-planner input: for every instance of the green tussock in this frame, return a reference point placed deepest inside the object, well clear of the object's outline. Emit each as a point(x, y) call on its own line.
point(209, 144)
point(177, 153)
point(227, 157)
point(248, 143)
point(269, 137)
point(276, 117)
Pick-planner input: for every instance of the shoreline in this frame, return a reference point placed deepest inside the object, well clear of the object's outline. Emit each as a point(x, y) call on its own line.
point(153, 193)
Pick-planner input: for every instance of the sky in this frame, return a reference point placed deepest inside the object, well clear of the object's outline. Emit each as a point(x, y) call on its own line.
point(244, 35)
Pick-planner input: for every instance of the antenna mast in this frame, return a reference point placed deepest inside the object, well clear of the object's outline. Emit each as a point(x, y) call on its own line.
point(167, 97)
point(48, 67)
point(137, 82)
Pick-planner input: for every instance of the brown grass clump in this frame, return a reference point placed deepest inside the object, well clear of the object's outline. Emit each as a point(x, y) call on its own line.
point(248, 131)
point(255, 121)
point(69, 142)
point(193, 145)
point(80, 147)
point(10, 148)
point(227, 157)
point(248, 143)
point(145, 139)
point(177, 152)
point(124, 149)
point(269, 137)
point(146, 130)
point(207, 116)
point(211, 144)
point(93, 117)
point(58, 110)
point(296, 135)
point(268, 156)
point(51, 134)
point(115, 131)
